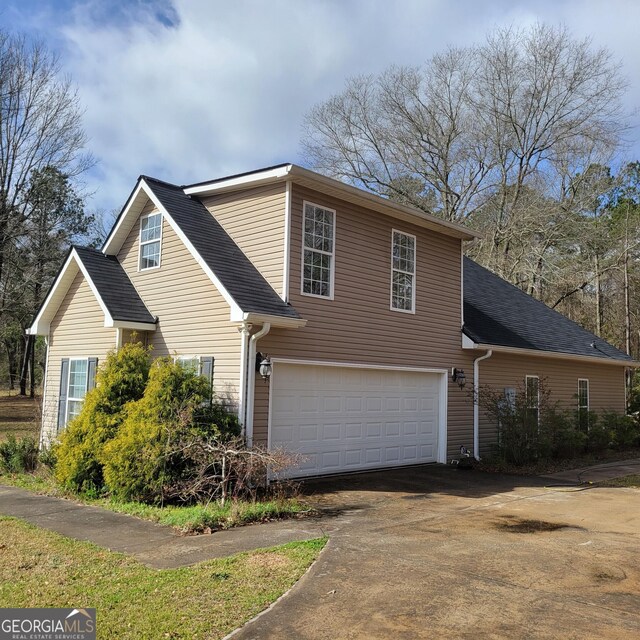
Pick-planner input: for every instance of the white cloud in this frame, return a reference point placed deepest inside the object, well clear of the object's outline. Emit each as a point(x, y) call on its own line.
point(226, 88)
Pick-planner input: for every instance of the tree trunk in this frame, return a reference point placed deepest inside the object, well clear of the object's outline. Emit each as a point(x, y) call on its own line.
point(627, 306)
point(11, 362)
point(598, 297)
point(32, 370)
point(26, 359)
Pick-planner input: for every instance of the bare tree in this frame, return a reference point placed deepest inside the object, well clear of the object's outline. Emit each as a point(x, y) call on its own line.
point(40, 126)
point(473, 127)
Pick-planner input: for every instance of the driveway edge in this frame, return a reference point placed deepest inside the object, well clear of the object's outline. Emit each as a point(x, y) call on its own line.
point(298, 583)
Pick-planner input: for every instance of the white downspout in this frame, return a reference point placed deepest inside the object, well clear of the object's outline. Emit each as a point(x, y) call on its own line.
point(245, 334)
point(251, 371)
point(476, 406)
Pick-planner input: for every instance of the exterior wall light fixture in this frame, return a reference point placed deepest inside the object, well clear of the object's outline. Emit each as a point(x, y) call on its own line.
point(458, 376)
point(265, 367)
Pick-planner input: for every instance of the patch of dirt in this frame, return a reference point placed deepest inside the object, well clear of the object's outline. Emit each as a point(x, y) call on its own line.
point(267, 560)
point(513, 524)
point(609, 574)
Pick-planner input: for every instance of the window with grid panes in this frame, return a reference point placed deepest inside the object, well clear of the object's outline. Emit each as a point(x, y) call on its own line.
point(318, 251)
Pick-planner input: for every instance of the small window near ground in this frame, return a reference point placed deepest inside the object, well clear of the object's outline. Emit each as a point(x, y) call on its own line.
point(318, 251)
point(150, 234)
point(403, 272)
point(583, 403)
point(532, 387)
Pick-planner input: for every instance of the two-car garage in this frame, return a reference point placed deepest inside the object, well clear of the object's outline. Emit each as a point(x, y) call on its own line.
point(342, 418)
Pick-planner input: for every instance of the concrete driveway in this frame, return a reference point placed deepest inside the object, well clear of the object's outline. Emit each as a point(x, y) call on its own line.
point(431, 552)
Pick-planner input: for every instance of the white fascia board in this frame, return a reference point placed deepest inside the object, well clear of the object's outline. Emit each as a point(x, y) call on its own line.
point(134, 326)
point(252, 179)
point(409, 213)
point(467, 343)
point(275, 321)
point(111, 247)
point(41, 324)
point(235, 310)
point(114, 242)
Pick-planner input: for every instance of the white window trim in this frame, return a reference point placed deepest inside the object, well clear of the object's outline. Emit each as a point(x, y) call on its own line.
point(181, 357)
point(588, 393)
point(332, 254)
point(141, 243)
point(415, 262)
point(526, 391)
point(86, 387)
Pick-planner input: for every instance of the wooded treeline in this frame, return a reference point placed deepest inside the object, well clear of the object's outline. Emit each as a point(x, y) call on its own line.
point(520, 137)
point(41, 208)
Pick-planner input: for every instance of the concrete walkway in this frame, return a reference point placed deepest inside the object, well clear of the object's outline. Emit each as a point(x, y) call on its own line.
point(155, 545)
point(161, 547)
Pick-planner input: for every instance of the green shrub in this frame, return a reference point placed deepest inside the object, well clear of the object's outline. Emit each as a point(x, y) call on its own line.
point(624, 430)
point(18, 456)
point(120, 380)
point(568, 440)
point(142, 458)
point(48, 457)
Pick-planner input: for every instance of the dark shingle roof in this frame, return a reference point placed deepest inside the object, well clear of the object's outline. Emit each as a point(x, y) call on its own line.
point(251, 292)
point(114, 286)
point(498, 313)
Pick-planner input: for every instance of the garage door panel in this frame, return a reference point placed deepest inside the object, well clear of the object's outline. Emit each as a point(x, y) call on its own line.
point(342, 418)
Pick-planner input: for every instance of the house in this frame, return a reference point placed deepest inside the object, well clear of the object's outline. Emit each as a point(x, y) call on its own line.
point(365, 311)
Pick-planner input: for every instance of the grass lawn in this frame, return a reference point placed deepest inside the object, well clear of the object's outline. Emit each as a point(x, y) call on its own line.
point(19, 415)
point(632, 481)
point(39, 568)
point(195, 519)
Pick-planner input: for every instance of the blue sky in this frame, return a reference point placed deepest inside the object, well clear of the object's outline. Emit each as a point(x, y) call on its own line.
point(187, 90)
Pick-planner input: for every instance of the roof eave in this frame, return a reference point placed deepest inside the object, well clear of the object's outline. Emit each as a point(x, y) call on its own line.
point(469, 343)
point(283, 322)
point(364, 198)
point(42, 323)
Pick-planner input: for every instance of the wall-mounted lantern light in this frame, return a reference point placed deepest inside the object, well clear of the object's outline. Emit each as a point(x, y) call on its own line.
point(458, 376)
point(265, 368)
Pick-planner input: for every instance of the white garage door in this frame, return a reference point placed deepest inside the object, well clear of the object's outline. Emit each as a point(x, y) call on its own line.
point(348, 419)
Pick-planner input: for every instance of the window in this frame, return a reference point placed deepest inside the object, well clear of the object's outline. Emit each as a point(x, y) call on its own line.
point(150, 233)
point(191, 363)
point(583, 403)
point(77, 388)
point(202, 365)
point(403, 272)
point(318, 251)
point(532, 388)
point(77, 376)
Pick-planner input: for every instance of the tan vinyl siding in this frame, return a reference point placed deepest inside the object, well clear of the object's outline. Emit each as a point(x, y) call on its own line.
point(358, 324)
point(193, 316)
point(255, 220)
point(606, 384)
point(77, 330)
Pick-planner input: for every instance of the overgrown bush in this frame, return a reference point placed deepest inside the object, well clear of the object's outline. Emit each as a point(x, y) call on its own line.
point(120, 379)
point(526, 435)
point(624, 430)
point(148, 453)
point(18, 456)
point(223, 469)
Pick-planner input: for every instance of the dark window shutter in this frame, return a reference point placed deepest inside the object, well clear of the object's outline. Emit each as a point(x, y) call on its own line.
point(62, 396)
point(206, 370)
point(91, 373)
